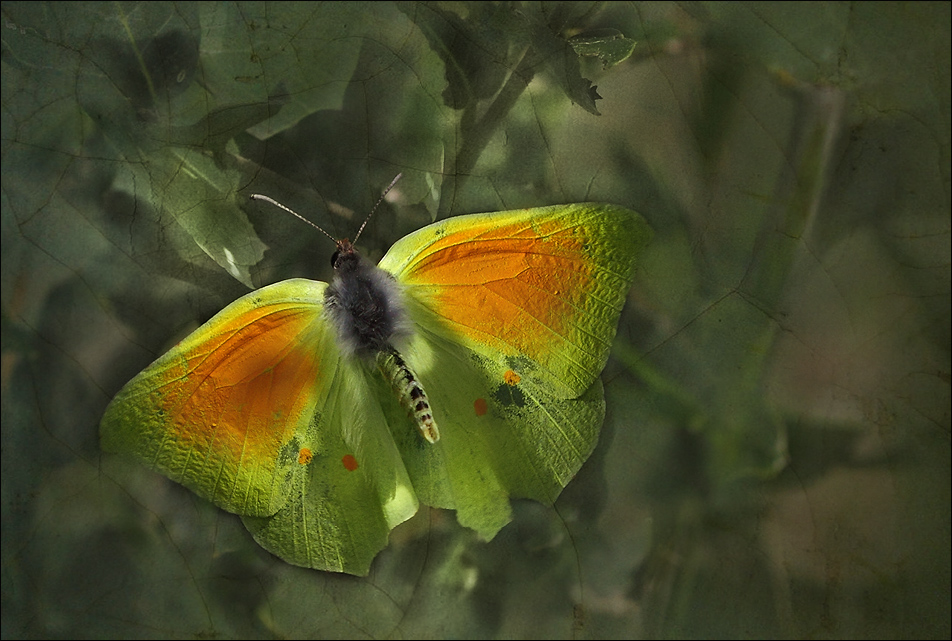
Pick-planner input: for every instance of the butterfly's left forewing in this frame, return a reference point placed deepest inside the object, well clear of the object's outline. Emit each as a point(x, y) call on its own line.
point(227, 411)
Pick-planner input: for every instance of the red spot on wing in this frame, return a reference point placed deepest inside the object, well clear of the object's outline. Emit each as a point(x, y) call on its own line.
point(350, 463)
point(480, 406)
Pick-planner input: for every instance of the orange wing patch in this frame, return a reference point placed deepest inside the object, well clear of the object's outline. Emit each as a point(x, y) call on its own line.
point(521, 285)
point(238, 393)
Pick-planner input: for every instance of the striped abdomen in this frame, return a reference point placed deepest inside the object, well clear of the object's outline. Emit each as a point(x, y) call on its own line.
point(410, 392)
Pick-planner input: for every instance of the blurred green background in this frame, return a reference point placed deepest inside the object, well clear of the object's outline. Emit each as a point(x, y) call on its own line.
point(776, 457)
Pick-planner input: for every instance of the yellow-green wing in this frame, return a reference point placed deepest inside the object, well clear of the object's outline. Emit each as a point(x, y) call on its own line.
point(516, 314)
point(247, 412)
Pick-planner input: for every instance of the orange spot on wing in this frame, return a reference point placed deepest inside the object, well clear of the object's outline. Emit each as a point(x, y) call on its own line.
point(305, 456)
point(511, 378)
point(480, 406)
point(350, 463)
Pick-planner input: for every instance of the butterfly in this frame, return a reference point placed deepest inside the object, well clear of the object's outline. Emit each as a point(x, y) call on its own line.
point(460, 372)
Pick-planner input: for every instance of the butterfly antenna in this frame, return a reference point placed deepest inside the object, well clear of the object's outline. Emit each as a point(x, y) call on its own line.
point(380, 200)
point(292, 212)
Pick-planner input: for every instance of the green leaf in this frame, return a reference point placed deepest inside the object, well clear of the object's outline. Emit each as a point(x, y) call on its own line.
point(609, 46)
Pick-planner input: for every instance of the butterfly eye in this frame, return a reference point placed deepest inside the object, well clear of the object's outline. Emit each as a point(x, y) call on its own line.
point(334, 259)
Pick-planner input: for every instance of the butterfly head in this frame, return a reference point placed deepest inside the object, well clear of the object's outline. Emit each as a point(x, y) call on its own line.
point(345, 259)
